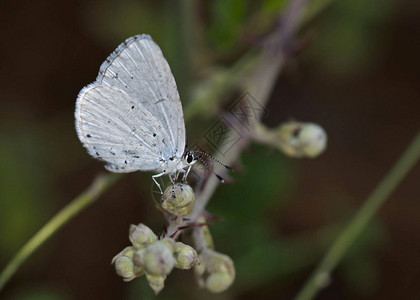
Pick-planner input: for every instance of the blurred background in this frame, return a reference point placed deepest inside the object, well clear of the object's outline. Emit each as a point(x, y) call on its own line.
point(357, 75)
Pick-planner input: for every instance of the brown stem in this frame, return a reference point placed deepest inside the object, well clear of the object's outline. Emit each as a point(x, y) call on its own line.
point(259, 84)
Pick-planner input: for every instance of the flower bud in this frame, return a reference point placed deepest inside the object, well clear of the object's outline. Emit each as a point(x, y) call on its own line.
point(219, 271)
point(124, 265)
point(128, 252)
point(218, 282)
point(141, 236)
point(170, 243)
point(138, 258)
point(178, 199)
point(156, 259)
point(186, 257)
point(125, 268)
point(156, 282)
point(302, 139)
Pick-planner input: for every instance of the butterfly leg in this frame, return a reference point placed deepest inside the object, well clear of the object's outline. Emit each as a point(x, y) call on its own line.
point(174, 178)
point(158, 185)
point(184, 178)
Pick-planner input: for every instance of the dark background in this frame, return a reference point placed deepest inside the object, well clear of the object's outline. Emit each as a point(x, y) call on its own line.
point(358, 77)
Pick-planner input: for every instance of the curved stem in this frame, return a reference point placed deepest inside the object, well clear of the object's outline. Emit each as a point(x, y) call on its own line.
point(98, 186)
point(321, 275)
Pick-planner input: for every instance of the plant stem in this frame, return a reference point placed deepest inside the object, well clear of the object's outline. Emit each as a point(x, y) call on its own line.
point(259, 86)
point(98, 186)
point(345, 240)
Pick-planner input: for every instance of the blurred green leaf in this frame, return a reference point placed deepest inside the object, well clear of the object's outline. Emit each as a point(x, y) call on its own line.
point(273, 7)
point(227, 17)
point(244, 231)
point(253, 193)
point(140, 289)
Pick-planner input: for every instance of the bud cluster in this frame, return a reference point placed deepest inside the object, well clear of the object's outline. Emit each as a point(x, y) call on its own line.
point(153, 257)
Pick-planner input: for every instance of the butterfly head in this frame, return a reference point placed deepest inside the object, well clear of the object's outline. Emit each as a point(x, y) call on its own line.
point(189, 158)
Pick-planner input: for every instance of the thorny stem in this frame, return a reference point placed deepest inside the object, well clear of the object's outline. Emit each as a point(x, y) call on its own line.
point(347, 237)
point(98, 186)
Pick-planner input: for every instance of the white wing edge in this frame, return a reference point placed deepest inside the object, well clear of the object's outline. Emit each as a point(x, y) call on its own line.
point(77, 112)
point(108, 61)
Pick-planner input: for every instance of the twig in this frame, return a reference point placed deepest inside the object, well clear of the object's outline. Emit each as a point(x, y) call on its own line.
point(348, 236)
point(259, 85)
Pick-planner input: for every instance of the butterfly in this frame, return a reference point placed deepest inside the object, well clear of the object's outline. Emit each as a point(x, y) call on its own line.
point(131, 116)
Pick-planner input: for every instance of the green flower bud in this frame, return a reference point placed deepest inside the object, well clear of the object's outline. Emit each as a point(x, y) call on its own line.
point(302, 139)
point(128, 251)
point(124, 265)
point(219, 271)
point(156, 282)
point(295, 139)
point(170, 243)
point(186, 256)
point(218, 282)
point(178, 199)
point(141, 236)
point(125, 268)
point(157, 259)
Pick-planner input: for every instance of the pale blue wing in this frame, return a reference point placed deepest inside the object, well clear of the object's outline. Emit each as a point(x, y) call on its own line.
point(114, 128)
point(139, 68)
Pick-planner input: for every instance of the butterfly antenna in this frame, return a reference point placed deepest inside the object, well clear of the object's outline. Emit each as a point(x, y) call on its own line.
point(215, 159)
point(206, 164)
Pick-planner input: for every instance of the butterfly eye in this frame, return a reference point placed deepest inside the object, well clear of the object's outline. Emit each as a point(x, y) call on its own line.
point(189, 158)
